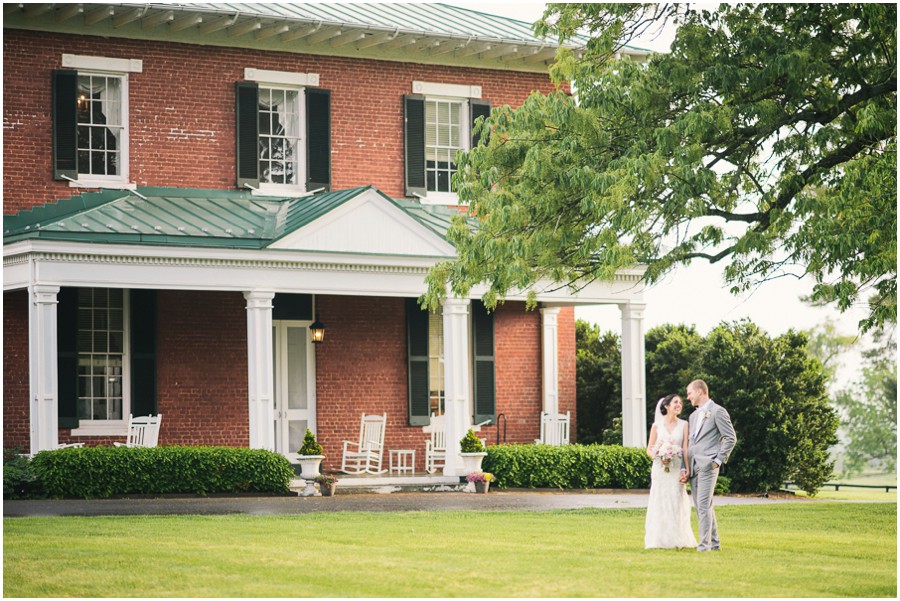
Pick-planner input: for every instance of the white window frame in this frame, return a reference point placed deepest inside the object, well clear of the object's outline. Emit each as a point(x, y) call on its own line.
point(106, 67)
point(454, 93)
point(115, 427)
point(286, 80)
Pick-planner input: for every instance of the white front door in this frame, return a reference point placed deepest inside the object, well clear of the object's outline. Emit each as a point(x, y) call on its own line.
point(295, 385)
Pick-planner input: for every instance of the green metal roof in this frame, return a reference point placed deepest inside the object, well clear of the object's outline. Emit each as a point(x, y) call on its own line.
point(192, 217)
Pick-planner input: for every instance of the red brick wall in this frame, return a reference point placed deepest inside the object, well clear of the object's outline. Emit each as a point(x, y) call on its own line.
point(16, 424)
point(182, 111)
point(202, 368)
point(566, 340)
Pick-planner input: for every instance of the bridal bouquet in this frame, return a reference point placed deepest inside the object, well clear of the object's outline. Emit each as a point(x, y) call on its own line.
point(666, 451)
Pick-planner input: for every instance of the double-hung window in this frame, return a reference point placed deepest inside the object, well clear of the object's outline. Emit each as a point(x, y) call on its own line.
point(106, 358)
point(90, 120)
point(438, 120)
point(425, 345)
point(283, 132)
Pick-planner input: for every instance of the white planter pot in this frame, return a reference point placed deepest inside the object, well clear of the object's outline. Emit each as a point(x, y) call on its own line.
point(309, 466)
point(472, 462)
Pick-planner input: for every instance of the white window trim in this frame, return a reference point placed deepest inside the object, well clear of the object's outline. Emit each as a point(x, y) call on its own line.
point(455, 92)
point(115, 427)
point(286, 79)
point(100, 65)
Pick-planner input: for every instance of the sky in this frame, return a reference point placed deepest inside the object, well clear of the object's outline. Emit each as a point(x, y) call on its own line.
point(697, 294)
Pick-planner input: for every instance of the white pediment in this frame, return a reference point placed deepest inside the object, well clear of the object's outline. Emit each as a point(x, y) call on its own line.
point(367, 224)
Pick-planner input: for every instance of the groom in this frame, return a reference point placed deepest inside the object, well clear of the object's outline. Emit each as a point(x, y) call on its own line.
point(712, 438)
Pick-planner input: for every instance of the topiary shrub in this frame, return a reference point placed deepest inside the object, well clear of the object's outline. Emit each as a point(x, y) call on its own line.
point(568, 466)
point(98, 472)
point(471, 443)
point(310, 446)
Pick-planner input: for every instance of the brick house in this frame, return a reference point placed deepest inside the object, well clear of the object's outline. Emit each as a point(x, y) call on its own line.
point(188, 188)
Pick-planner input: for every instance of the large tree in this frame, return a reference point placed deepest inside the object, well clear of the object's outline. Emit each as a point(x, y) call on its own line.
point(766, 139)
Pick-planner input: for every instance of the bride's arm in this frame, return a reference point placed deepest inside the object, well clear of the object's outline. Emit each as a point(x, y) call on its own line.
point(652, 442)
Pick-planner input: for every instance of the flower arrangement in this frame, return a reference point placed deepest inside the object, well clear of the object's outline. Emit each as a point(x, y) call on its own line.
point(326, 479)
point(666, 451)
point(480, 477)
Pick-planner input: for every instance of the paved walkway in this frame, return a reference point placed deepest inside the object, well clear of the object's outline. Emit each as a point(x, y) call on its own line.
point(517, 500)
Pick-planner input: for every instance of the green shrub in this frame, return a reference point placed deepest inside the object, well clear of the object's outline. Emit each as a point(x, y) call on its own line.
point(568, 466)
point(19, 480)
point(310, 446)
point(92, 472)
point(471, 443)
point(723, 485)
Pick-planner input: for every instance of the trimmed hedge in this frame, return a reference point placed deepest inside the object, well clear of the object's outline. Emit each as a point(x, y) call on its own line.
point(568, 466)
point(97, 472)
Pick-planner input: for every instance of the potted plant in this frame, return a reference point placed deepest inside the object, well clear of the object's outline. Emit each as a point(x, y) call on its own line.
point(481, 480)
point(472, 452)
point(327, 483)
point(310, 456)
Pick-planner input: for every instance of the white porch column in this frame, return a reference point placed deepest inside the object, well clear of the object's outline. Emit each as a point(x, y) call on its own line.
point(260, 374)
point(456, 380)
point(43, 373)
point(550, 359)
point(634, 387)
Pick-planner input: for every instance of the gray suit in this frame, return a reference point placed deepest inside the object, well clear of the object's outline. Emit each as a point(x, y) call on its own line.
point(713, 443)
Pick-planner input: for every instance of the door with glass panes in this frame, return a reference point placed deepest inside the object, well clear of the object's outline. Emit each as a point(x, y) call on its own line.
point(295, 385)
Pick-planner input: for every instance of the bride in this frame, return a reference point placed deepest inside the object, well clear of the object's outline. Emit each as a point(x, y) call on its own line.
point(668, 523)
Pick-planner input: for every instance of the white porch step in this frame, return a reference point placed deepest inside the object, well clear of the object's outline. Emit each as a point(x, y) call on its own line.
point(348, 484)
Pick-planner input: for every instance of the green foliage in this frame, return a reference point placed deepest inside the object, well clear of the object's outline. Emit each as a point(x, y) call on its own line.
point(672, 361)
point(869, 413)
point(19, 479)
point(568, 466)
point(723, 485)
point(98, 472)
point(310, 446)
point(598, 381)
point(471, 443)
point(772, 388)
point(613, 434)
point(827, 345)
point(775, 394)
point(766, 139)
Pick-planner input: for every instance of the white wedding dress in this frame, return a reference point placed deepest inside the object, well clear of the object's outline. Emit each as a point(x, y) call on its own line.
point(668, 523)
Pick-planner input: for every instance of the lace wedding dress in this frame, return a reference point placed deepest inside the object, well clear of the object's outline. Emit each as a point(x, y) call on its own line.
point(668, 523)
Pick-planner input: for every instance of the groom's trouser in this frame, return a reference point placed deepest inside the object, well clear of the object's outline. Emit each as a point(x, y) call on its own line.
point(702, 486)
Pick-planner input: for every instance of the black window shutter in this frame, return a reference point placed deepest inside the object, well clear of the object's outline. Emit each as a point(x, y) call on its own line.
point(143, 352)
point(67, 357)
point(483, 343)
point(318, 139)
point(414, 144)
point(65, 124)
point(417, 348)
point(478, 108)
point(247, 133)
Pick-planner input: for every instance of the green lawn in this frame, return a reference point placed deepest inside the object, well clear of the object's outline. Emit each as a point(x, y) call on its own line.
point(787, 550)
point(860, 494)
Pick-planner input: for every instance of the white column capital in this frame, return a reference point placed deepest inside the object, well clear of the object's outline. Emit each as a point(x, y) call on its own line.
point(258, 299)
point(44, 293)
point(456, 306)
point(550, 315)
point(632, 310)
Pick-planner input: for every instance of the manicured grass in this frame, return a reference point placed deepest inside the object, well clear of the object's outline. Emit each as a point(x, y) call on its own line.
point(787, 550)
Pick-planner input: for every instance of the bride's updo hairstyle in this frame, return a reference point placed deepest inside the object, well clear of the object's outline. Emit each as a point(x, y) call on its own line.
point(666, 401)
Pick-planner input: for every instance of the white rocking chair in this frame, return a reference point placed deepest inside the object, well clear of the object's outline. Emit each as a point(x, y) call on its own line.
point(143, 431)
point(554, 429)
point(436, 446)
point(365, 455)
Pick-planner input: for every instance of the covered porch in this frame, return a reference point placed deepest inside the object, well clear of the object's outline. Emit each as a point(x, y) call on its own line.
point(334, 249)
